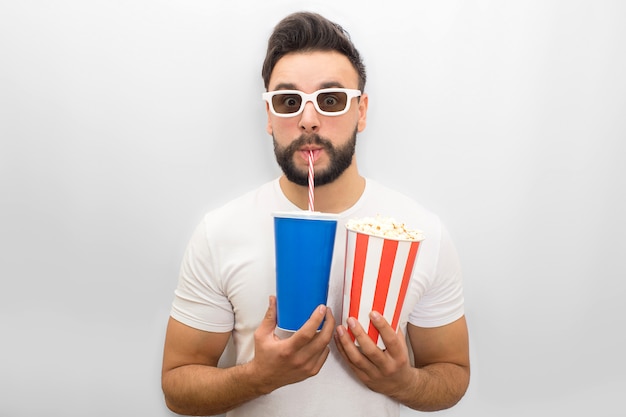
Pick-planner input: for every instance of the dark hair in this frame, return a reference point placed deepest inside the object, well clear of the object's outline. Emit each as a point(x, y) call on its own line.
point(307, 32)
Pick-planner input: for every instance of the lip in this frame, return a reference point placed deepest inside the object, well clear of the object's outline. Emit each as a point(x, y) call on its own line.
point(306, 150)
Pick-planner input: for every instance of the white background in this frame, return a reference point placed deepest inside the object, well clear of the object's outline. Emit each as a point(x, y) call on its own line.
point(122, 122)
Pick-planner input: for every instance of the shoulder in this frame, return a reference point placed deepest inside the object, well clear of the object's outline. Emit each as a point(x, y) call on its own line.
point(259, 199)
point(389, 202)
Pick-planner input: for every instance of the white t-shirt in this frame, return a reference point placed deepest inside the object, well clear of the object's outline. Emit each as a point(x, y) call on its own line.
point(228, 273)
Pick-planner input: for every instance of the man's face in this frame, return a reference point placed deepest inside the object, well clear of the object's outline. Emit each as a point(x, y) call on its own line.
point(332, 139)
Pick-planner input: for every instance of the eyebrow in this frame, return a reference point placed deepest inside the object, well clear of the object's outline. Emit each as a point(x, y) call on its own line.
point(291, 86)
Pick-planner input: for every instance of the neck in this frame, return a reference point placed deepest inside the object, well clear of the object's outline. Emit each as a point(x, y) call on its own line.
point(335, 197)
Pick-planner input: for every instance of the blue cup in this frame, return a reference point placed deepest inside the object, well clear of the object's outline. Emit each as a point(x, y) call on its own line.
point(304, 243)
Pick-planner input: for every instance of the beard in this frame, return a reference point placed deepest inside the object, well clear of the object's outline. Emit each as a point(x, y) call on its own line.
point(340, 159)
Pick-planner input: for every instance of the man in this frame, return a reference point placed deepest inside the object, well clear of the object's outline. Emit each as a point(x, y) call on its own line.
point(227, 274)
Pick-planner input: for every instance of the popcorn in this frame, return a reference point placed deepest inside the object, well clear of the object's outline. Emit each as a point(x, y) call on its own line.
point(385, 227)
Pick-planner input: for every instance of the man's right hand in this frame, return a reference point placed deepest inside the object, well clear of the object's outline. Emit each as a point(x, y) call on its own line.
point(278, 362)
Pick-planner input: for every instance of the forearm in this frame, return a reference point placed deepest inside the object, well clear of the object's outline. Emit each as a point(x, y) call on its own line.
point(205, 390)
point(433, 387)
point(194, 385)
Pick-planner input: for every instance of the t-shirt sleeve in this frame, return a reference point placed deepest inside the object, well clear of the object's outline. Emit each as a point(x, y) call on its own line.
point(199, 299)
point(443, 301)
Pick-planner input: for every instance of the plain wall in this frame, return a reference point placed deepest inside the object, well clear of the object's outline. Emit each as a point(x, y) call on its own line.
point(122, 122)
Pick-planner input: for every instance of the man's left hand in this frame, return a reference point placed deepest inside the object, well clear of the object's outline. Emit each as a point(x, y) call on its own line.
point(386, 371)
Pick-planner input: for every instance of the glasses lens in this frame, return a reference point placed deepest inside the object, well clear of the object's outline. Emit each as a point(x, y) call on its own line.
point(332, 101)
point(286, 103)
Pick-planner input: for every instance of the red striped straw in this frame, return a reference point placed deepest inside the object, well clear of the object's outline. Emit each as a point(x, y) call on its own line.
point(311, 183)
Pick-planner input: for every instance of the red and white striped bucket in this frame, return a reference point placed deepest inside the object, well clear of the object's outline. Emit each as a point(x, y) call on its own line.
point(376, 277)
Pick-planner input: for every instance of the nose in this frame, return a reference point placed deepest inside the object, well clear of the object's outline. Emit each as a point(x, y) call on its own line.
point(309, 118)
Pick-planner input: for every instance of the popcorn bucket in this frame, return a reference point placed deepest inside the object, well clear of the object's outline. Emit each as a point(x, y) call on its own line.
point(376, 277)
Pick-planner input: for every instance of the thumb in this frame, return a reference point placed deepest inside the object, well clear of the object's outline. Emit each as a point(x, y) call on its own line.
point(268, 324)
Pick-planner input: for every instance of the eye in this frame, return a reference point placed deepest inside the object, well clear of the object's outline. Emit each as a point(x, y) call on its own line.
point(286, 103)
point(291, 101)
point(330, 101)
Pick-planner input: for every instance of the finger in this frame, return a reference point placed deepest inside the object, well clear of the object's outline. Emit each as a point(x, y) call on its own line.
point(320, 343)
point(345, 344)
point(351, 353)
point(360, 335)
point(341, 334)
point(339, 338)
point(308, 331)
point(393, 343)
point(321, 359)
point(367, 346)
point(328, 327)
point(268, 324)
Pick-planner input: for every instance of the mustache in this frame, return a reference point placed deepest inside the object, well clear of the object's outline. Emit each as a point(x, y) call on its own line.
point(309, 139)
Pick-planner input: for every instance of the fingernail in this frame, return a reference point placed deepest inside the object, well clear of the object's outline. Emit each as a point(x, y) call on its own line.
point(351, 322)
point(340, 331)
point(322, 310)
point(375, 315)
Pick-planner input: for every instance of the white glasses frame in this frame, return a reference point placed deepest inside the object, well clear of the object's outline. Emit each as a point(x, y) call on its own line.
point(350, 93)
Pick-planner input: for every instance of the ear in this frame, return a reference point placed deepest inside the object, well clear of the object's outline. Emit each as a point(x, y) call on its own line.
point(363, 103)
point(268, 128)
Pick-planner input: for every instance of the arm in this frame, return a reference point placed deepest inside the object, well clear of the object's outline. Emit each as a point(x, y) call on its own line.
point(441, 373)
point(193, 385)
